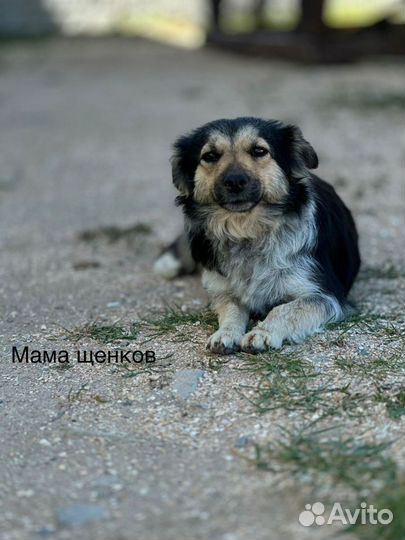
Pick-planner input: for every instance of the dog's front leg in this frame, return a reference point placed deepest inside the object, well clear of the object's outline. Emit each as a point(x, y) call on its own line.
point(232, 317)
point(233, 320)
point(292, 322)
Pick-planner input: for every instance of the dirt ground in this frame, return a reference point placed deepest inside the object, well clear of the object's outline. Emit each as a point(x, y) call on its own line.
point(188, 447)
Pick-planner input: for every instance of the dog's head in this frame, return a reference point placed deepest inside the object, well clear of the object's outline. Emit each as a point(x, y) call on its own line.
point(239, 163)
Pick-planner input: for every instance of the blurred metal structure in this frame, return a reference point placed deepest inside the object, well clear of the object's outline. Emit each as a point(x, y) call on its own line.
point(312, 40)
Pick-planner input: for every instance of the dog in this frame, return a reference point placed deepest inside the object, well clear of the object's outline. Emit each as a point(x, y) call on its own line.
point(275, 242)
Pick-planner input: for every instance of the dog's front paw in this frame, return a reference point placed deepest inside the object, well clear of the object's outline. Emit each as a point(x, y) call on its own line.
point(260, 340)
point(224, 342)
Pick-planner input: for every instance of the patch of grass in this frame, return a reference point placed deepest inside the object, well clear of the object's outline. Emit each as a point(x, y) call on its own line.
point(327, 459)
point(389, 335)
point(275, 362)
point(288, 382)
point(113, 233)
point(394, 402)
point(374, 367)
point(368, 321)
point(160, 367)
point(149, 369)
point(76, 395)
point(104, 333)
point(180, 325)
point(306, 394)
point(380, 362)
point(82, 395)
point(345, 460)
point(391, 497)
point(396, 406)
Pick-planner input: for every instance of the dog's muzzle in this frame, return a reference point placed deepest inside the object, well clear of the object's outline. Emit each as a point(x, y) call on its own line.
point(237, 191)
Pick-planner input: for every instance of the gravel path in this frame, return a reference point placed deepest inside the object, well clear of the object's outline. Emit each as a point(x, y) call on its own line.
point(163, 451)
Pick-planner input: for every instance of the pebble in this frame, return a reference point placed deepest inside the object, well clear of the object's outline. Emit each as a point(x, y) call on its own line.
point(44, 442)
point(80, 514)
point(113, 305)
point(25, 493)
point(242, 441)
point(186, 381)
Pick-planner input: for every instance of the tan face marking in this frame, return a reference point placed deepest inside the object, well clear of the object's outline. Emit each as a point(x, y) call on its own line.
point(236, 153)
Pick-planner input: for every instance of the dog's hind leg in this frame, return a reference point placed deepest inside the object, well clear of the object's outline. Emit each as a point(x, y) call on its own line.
point(175, 259)
point(292, 322)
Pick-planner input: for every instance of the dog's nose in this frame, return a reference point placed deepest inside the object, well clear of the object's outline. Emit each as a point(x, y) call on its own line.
point(235, 182)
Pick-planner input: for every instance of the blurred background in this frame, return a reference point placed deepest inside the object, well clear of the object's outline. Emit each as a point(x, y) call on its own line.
point(352, 27)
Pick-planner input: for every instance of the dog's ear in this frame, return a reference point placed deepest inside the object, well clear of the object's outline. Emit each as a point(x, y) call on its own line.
point(303, 155)
point(179, 174)
point(185, 161)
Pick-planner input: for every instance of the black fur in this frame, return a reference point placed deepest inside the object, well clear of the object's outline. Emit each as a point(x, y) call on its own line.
point(202, 248)
point(336, 251)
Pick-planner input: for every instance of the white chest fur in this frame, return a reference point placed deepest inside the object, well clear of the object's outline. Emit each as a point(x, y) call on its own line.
point(259, 274)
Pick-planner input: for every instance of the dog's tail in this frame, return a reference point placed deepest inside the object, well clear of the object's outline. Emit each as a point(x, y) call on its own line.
point(176, 259)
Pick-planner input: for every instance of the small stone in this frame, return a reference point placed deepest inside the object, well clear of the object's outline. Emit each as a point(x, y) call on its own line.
point(113, 305)
point(127, 402)
point(186, 381)
point(80, 514)
point(25, 493)
point(242, 441)
point(44, 442)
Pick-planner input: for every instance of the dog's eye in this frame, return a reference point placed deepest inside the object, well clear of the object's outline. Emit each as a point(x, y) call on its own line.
point(210, 157)
point(258, 151)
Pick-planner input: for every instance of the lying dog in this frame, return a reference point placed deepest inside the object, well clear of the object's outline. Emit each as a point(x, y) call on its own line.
point(274, 240)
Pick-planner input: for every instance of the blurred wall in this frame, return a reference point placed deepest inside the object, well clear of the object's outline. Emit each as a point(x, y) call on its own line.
point(35, 17)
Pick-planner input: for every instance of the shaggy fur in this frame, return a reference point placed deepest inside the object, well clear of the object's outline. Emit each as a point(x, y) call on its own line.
point(274, 240)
